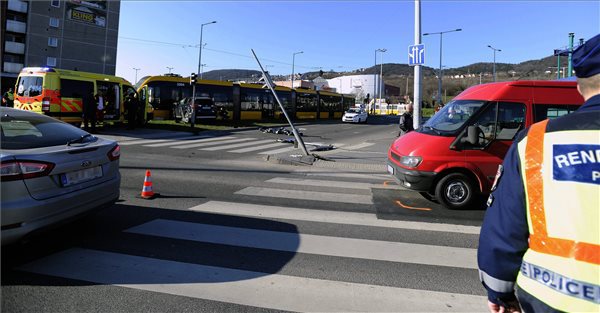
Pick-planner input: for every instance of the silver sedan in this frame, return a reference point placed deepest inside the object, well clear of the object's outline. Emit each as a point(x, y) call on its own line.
point(355, 115)
point(51, 172)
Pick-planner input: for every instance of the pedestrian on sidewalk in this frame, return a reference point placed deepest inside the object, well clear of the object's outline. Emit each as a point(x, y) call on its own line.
point(406, 120)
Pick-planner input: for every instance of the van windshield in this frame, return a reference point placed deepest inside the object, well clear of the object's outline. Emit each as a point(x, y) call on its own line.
point(29, 86)
point(452, 116)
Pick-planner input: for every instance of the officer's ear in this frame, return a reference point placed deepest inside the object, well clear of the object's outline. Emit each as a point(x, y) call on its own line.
point(579, 89)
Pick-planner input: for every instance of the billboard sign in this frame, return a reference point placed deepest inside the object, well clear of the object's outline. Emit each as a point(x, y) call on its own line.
point(89, 12)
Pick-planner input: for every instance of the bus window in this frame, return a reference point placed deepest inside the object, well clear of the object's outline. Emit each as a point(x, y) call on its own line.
point(29, 86)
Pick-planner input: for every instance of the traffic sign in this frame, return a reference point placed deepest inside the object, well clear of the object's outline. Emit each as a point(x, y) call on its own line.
point(416, 55)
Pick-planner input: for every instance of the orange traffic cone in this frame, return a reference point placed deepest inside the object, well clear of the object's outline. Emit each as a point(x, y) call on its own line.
point(147, 192)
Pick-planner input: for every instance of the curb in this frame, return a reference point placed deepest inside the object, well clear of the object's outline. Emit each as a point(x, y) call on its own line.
point(297, 160)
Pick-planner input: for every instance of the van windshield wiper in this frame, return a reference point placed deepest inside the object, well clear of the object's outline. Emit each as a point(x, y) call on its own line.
point(78, 140)
point(435, 130)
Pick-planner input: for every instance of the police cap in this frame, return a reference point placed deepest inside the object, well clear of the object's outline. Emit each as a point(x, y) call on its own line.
point(586, 58)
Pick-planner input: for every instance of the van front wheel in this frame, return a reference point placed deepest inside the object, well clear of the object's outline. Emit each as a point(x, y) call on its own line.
point(456, 191)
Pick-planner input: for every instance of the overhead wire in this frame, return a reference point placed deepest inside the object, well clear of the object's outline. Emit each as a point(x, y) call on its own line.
point(184, 46)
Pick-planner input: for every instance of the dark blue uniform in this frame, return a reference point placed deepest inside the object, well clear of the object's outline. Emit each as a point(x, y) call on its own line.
point(505, 233)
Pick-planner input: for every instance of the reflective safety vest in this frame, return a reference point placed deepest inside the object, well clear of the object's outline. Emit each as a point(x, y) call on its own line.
point(561, 175)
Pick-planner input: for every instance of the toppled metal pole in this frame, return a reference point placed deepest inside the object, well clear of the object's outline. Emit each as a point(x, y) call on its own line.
point(269, 83)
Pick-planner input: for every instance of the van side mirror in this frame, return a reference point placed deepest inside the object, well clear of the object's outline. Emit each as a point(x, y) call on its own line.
point(472, 135)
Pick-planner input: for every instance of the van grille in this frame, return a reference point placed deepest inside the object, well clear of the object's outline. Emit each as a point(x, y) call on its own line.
point(395, 156)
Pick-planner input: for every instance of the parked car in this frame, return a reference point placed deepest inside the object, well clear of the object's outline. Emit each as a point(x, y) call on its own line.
point(205, 109)
point(355, 115)
point(51, 172)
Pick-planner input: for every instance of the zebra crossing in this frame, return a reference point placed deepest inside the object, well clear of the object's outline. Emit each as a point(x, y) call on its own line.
point(300, 259)
point(230, 144)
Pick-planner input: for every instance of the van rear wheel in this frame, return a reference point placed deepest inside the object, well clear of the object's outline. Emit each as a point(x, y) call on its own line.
point(456, 191)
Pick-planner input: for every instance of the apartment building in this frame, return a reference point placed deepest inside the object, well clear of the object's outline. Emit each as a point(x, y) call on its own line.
point(69, 34)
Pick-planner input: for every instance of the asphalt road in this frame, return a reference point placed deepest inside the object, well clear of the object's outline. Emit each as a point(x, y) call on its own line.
point(233, 232)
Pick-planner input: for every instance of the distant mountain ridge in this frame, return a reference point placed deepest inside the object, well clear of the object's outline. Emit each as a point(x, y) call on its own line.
point(532, 68)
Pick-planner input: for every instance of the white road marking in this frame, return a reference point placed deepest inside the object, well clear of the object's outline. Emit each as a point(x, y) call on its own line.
point(243, 144)
point(311, 244)
point(141, 141)
point(322, 183)
point(383, 177)
point(305, 195)
point(183, 142)
point(273, 291)
point(216, 141)
point(262, 147)
point(277, 151)
point(326, 216)
point(359, 146)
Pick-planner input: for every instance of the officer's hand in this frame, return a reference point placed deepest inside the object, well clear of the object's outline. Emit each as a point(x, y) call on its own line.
point(513, 307)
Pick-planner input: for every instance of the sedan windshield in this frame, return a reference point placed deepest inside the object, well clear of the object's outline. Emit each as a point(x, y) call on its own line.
point(32, 130)
point(353, 111)
point(452, 116)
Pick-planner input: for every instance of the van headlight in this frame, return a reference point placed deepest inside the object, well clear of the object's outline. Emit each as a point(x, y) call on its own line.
point(411, 161)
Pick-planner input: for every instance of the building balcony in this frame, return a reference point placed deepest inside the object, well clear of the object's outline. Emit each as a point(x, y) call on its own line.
point(17, 6)
point(10, 67)
point(16, 26)
point(14, 47)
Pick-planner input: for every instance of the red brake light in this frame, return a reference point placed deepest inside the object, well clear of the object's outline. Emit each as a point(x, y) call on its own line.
point(15, 170)
point(114, 153)
point(46, 104)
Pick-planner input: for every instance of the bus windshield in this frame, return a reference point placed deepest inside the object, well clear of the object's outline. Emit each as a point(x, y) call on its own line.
point(452, 116)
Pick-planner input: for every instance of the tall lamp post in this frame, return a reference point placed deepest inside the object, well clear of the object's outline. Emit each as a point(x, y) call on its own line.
point(170, 68)
point(494, 69)
point(380, 85)
point(136, 70)
point(293, 63)
point(200, 53)
point(440, 71)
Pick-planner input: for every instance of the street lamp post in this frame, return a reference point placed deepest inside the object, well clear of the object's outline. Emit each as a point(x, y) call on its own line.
point(170, 68)
point(494, 69)
point(380, 81)
point(440, 71)
point(293, 63)
point(136, 70)
point(200, 53)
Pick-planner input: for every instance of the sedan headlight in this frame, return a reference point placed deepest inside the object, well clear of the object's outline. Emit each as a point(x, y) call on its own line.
point(411, 161)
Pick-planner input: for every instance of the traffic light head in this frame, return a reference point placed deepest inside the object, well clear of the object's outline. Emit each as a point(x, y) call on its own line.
point(193, 78)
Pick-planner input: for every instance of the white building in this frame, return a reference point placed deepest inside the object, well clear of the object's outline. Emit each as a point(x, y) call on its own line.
point(359, 85)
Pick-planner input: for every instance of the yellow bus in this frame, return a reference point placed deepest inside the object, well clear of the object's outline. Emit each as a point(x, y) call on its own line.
point(158, 94)
point(59, 93)
point(241, 101)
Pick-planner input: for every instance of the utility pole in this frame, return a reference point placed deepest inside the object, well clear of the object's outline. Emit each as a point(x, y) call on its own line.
point(571, 38)
point(136, 70)
point(293, 63)
point(441, 73)
point(269, 83)
point(417, 74)
point(200, 53)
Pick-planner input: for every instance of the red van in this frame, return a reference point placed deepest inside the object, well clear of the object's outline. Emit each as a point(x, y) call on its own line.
point(454, 156)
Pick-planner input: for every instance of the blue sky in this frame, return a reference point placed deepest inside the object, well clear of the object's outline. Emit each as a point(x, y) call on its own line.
point(340, 35)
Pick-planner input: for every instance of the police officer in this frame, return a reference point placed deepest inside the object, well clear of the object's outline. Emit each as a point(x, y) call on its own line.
point(541, 230)
point(8, 98)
